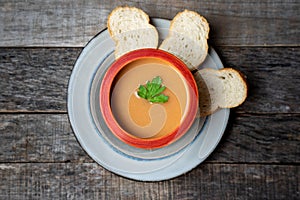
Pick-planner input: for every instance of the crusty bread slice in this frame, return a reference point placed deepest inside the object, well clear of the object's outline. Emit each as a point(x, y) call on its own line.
point(129, 27)
point(187, 38)
point(224, 88)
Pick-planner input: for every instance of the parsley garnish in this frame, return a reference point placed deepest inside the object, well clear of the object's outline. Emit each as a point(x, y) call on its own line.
point(152, 91)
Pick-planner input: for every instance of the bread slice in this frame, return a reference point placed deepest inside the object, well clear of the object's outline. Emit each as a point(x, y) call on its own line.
point(187, 38)
point(129, 27)
point(224, 88)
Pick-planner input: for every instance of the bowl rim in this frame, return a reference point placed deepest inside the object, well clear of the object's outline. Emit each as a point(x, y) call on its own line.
point(105, 95)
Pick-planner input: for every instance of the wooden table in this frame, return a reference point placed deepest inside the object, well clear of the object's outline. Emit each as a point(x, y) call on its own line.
point(40, 158)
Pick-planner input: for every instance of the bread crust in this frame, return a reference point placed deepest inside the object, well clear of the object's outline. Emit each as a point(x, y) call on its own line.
point(192, 29)
point(243, 81)
point(211, 103)
point(122, 9)
point(195, 14)
point(130, 29)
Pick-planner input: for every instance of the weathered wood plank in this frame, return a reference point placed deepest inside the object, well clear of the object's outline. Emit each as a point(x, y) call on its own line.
point(260, 138)
point(40, 158)
point(36, 79)
point(73, 23)
point(39, 138)
point(273, 77)
point(248, 139)
point(90, 181)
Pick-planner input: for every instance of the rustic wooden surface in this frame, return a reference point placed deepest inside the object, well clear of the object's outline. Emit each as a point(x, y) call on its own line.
point(40, 158)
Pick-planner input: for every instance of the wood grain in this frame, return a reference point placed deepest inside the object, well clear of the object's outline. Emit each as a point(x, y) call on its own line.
point(73, 23)
point(260, 139)
point(273, 76)
point(36, 79)
point(39, 138)
point(40, 158)
point(90, 181)
point(248, 139)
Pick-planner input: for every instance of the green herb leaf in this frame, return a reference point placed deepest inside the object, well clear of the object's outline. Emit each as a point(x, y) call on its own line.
point(157, 80)
point(152, 91)
point(159, 99)
point(158, 91)
point(142, 92)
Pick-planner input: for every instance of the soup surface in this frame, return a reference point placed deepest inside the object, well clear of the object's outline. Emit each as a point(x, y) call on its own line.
point(138, 116)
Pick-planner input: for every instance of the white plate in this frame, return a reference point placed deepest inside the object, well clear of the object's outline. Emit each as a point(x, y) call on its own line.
point(86, 131)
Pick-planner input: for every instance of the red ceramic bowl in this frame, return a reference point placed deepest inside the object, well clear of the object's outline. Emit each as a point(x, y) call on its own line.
point(191, 104)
